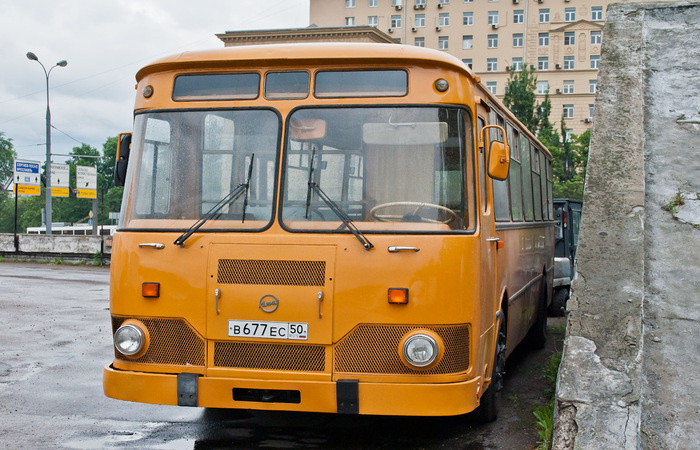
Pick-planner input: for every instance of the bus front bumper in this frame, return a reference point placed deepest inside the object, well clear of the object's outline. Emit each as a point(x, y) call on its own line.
point(409, 399)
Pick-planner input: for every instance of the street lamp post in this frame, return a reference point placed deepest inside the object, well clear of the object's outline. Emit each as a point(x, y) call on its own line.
point(47, 191)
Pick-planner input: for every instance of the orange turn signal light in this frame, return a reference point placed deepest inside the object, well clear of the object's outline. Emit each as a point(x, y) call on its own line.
point(398, 296)
point(151, 290)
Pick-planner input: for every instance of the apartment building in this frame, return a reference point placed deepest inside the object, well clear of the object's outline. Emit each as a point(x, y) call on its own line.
point(560, 39)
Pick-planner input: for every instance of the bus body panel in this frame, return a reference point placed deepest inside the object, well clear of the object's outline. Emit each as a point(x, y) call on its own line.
point(220, 288)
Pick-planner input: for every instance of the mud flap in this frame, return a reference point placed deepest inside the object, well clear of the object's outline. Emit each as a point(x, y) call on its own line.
point(187, 389)
point(347, 396)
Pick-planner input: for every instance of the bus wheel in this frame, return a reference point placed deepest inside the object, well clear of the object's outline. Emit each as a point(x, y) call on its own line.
point(537, 335)
point(490, 401)
point(558, 306)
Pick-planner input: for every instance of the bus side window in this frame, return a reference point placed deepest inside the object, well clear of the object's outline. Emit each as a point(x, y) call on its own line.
point(155, 168)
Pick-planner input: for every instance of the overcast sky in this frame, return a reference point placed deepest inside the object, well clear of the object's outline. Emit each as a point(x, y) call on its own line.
point(105, 42)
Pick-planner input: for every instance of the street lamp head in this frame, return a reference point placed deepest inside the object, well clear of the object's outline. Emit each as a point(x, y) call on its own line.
point(32, 56)
point(62, 63)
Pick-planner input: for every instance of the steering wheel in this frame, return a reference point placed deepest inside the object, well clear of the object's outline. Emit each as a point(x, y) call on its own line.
point(374, 212)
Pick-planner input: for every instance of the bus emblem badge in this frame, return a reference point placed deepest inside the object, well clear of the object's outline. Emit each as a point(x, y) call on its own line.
point(269, 303)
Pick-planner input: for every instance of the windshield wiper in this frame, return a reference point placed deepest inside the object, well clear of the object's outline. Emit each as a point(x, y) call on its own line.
point(342, 215)
point(230, 198)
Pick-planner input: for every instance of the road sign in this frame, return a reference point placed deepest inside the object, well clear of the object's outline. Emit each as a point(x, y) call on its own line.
point(60, 176)
point(26, 177)
point(86, 181)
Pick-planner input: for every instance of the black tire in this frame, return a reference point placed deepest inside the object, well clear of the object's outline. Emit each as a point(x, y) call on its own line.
point(537, 335)
point(487, 411)
point(558, 306)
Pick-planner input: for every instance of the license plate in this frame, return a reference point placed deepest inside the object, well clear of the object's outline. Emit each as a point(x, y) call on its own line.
point(268, 330)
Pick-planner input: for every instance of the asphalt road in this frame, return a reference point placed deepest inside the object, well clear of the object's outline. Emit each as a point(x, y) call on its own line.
point(55, 338)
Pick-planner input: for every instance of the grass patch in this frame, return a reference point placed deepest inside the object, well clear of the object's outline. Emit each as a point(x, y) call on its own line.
point(675, 202)
point(545, 413)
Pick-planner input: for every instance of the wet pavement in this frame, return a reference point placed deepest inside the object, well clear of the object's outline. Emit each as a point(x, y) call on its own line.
point(56, 337)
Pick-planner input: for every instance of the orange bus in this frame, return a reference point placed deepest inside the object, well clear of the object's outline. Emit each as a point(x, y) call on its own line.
point(350, 228)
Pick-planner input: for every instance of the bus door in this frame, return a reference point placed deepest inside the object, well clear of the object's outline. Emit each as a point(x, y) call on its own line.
point(489, 240)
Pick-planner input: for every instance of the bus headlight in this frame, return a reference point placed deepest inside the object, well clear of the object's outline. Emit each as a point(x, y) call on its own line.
point(421, 349)
point(131, 339)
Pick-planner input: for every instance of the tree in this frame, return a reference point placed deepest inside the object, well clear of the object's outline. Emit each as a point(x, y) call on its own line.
point(520, 97)
point(7, 157)
point(109, 194)
point(569, 165)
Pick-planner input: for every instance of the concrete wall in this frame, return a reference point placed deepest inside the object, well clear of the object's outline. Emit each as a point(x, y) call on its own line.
point(628, 377)
point(41, 246)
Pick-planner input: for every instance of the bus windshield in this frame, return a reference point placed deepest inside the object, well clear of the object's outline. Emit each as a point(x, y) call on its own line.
point(186, 162)
point(386, 168)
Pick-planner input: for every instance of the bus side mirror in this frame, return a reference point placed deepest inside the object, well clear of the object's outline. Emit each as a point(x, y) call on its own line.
point(499, 154)
point(499, 160)
point(122, 160)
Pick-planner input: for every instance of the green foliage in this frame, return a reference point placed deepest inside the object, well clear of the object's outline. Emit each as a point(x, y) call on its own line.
point(569, 156)
point(7, 157)
point(675, 202)
point(545, 425)
point(545, 413)
point(520, 97)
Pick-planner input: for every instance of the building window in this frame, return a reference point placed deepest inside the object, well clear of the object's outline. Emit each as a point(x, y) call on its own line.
point(570, 14)
point(349, 21)
point(493, 17)
point(544, 15)
point(349, 3)
point(544, 39)
point(468, 1)
point(467, 62)
point(493, 41)
point(517, 39)
point(568, 63)
point(592, 84)
point(568, 111)
point(396, 21)
point(396, 3)
point(467, 42)
point(542, 87)
point(492, 86)
point(420, 20)
point(444, 19)
point(420, 3)
point(468, 19)
point(569, 38)
point(568, 86)
point(543, 63)
point(596, 37)
point(591, 108)
point(517, 64)
point(492, 65)
point(373, 3)
point(597, 13)
point(443, 43)
point(444, 2)
point(518, 16)
point(420, 42)
point(595, 61)
point(372, 21)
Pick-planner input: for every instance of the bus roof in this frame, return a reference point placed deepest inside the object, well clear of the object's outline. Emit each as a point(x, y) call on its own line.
point(314, 53)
